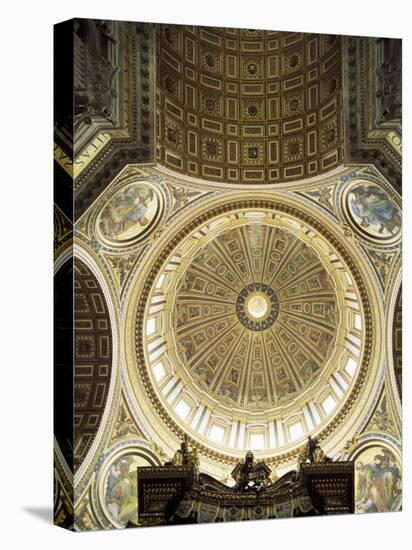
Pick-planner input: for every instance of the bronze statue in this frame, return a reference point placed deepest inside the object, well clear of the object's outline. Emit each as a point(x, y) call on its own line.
point(250, 476)
point(312, 452)
point(184, 456)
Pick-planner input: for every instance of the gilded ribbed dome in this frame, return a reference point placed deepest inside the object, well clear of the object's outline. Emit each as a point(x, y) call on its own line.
point(249, 329)
point(255, 316)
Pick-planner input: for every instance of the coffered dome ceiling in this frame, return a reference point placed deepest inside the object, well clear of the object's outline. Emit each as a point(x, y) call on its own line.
point(255, 316)
point(252, 328)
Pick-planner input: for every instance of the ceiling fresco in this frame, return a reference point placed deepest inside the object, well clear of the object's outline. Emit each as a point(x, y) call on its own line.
point(284, 300)
point(238, 245)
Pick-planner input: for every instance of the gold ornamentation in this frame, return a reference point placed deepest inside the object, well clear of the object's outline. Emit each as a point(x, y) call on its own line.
point(381, 419)
point(152, 270)
point(212, 308)
point(63, 230)
point(350, 444)
point(346, 230)
point(158, 451)
point(323, 196)
point(312, 452)
point(125, 426)
point(382, 262)
point(122, 266)
point(185, 456)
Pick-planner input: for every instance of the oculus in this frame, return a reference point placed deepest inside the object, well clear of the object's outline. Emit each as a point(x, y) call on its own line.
point(257, 306)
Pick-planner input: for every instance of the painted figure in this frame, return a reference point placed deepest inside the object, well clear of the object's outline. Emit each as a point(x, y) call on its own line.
point(121, 491)
point(373, 207)
point(378, 486)
point(127, 209)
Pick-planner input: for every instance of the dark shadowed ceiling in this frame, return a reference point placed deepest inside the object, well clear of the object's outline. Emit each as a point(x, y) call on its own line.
point(248, 106)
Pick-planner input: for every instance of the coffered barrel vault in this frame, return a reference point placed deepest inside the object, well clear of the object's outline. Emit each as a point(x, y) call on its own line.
point(93, 358)
point(248, 106)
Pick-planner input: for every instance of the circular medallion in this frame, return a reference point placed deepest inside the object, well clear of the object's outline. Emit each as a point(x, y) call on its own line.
point(117, 485)
point(121, 489)
point(257, 306)
point(130, 214)
point(378, 481)
point(372, 212)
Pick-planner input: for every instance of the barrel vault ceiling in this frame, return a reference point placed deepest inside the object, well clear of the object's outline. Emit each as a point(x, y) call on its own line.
point(227, 105)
